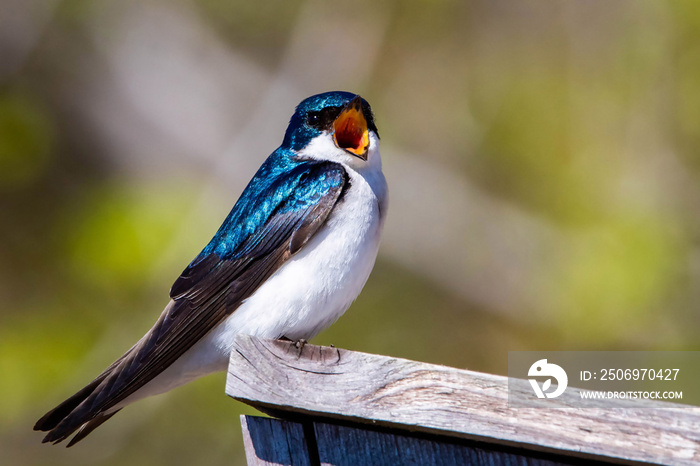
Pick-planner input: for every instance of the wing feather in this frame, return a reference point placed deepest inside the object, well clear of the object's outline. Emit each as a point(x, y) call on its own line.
point(211, 288)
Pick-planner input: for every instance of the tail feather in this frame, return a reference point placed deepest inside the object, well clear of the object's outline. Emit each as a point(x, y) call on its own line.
point(89, 426)
point(83, 415)
point(54, 422)
point(51, 419)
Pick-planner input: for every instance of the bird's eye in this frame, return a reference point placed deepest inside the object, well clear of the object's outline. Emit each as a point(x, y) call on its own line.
point(314, 118)
point(322, 119)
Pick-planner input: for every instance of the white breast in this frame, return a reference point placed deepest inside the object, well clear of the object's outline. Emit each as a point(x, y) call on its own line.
point(314, 288)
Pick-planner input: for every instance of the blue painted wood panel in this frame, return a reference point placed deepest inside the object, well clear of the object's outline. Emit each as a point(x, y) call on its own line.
point(272, 441)
point(277, 442)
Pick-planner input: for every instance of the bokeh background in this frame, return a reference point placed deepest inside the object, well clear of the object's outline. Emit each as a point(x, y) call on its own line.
point(543, 160)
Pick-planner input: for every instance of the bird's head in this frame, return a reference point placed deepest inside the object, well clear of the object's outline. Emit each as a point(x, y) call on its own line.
point(336, 126)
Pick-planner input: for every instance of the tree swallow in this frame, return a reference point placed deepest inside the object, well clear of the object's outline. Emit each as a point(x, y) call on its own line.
point(290, 258)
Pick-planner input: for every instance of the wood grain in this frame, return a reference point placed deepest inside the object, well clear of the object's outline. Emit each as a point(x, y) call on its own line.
point(343, 445)
point(332, 383)
point(271, 441)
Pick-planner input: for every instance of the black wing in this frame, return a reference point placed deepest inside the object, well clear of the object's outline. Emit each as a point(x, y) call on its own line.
point(206, 292)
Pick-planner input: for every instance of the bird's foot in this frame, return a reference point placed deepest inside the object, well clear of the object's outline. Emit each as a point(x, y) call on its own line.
point(300, 343)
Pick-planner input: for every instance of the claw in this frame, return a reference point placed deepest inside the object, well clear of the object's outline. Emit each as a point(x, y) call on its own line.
point(300, 343)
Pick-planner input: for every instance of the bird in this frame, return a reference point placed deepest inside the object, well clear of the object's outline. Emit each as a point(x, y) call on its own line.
point(292, 255)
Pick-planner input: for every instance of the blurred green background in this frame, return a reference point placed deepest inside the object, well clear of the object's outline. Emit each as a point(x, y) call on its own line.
point(543, 161)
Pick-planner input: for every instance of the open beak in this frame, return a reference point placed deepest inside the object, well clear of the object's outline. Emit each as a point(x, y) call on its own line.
point(350, 129)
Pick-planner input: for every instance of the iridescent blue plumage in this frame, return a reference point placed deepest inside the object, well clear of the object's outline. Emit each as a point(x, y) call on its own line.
point(277, 179)
point(299, 132)
point(277, 188)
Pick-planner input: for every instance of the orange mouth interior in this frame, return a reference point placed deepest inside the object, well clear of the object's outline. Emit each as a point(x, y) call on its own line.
point(350, 131)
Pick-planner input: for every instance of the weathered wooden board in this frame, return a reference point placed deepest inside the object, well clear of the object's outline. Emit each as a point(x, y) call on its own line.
point(342, 445)
point(364, 388)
